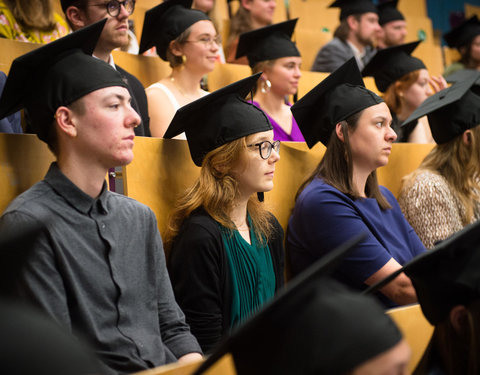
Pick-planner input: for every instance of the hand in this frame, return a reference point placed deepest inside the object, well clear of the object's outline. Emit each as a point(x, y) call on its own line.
point(438, 83)
point(189, 358)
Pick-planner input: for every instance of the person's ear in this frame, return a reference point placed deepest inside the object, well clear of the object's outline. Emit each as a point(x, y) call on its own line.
point(65, 120)
point(459, 318)
point(352, 23)
point(467, 137)
point(76, 16)
point(175, 48)
point(339, 131)
point(247, 4)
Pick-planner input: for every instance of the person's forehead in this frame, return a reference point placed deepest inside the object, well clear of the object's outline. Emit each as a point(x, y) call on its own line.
point(395, 24)
point(370, 16)
point(106, 92)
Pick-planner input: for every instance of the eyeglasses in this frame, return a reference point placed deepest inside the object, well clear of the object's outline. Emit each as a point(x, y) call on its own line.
point(207, 41)
point(113, 6)
point(265, 148)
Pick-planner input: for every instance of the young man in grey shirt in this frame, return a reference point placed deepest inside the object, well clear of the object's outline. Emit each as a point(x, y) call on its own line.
point(99, 268)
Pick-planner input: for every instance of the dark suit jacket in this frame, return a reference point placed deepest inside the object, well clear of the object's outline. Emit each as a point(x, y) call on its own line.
point(139, 101)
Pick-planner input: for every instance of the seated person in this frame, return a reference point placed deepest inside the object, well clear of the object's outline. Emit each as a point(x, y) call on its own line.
point(271, 51)
point(354, 37)
point(12, 123)
point(225, 250)
point(466, 39)
point(342, 197)
point(99, 267)
point(81, 13)
point(317, 326)
point(251, 15)
point(446, 280)
point(443, 194)
point(187, 39)
point(393, 27)
point(31, 21)
point(405, 82)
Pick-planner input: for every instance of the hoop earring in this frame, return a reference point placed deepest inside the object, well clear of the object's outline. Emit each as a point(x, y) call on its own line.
point(184, 59)
point(266, 86)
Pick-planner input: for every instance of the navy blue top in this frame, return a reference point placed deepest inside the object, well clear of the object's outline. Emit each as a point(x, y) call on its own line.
point(323, 218)
point(12, 123)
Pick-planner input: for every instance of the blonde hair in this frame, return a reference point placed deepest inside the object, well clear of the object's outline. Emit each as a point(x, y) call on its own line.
point(459, 164)
point(215, 191)
point(394, 91)
point(33, 14)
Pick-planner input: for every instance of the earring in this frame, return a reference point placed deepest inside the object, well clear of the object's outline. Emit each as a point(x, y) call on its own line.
point(184, 59)
point(266, 85)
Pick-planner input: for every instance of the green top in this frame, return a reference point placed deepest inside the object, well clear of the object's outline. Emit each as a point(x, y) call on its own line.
point(253, 276)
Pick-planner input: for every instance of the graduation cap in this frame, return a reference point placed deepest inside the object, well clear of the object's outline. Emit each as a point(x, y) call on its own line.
point(460, 75)
point(390, 64)
point(335, 99)
point(165, 22)
point(388, 12)
point(56, 74)
point(453, 110)
point(446, 275)
point(268, 43)
point(313, 326)
point(350, 7)
point(463, 34)
point(218, 118)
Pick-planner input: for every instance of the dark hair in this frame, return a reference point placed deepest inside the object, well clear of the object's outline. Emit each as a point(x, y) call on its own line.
point(80, 4)
point(466, 55)
point(455, 352)
point(336, 167)
point(341, 32)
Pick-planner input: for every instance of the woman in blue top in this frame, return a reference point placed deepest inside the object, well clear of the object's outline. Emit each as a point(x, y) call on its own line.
point(342, 197)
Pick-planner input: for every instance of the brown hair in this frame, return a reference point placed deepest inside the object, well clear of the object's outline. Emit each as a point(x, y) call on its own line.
point(393, 93)
point(260, 67)
point(215, 191)
point(336, 167)
point(80, 4)
point(455, 352)
point(341, 32)
point(459, 164)
point(240, 23)
point(180, 40)
point(33, 14)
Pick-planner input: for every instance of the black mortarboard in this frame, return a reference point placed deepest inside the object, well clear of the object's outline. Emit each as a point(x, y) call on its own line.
point(313, 326)
point(388, 12)
point(218, 118)
point(463, 34)
point(336, 98)
point(390, 64)
point(165, 22)
point(446, 275)
point(268, 43)
point(459, 75)
point(56, 74)
point(350, 7)
point(451, 111)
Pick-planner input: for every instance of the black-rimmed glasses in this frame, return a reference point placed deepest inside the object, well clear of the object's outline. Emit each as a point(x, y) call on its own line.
point(265, 148)
point(113, 6)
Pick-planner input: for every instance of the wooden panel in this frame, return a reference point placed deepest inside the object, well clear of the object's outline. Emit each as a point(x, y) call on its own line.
point(413, 8)
point(471, 10)
point(224, 74)
point(431, 55)
point(418, 27)
point(416, 330)
point(11, 49)
point(309, 43)
point(24, 160)
point(315, 15)
point(450, 55)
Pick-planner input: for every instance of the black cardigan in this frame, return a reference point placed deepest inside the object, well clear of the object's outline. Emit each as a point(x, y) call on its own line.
point(200, 275)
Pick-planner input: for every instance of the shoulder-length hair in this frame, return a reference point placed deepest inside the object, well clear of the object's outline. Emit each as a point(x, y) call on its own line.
point(336, 167)
point(37, 15)
point(459, 164)
point(215, 191)
point(240, 23)
point(455, 352)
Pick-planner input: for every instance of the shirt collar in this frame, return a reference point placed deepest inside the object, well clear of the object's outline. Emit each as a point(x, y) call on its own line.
point(73, 194)
point(356, 52)
point(109, 62)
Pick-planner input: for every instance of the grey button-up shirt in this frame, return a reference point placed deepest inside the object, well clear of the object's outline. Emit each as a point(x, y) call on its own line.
point(100, 270)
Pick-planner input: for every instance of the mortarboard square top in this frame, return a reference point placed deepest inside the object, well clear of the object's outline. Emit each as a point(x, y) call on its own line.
point(165, 22)
point(351, 7)
point(268, 43)
point(218, 118)
point(313, 326)
point(453, 110)
point(56, 74)
point(463, 34)
point(388, 12)
point(391, 64)
point(336, 98)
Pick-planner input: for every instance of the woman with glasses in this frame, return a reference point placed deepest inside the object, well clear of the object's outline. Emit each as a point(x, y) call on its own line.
point(342, 197)
point(187, 39)
point(224, 249)
point(271, 51)
point(31, 21)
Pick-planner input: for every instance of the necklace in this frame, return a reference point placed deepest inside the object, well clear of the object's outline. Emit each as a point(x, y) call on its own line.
point(189, 97)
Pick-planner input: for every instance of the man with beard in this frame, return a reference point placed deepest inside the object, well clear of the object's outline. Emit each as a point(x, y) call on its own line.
point(354, 36)
point(393, 28)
